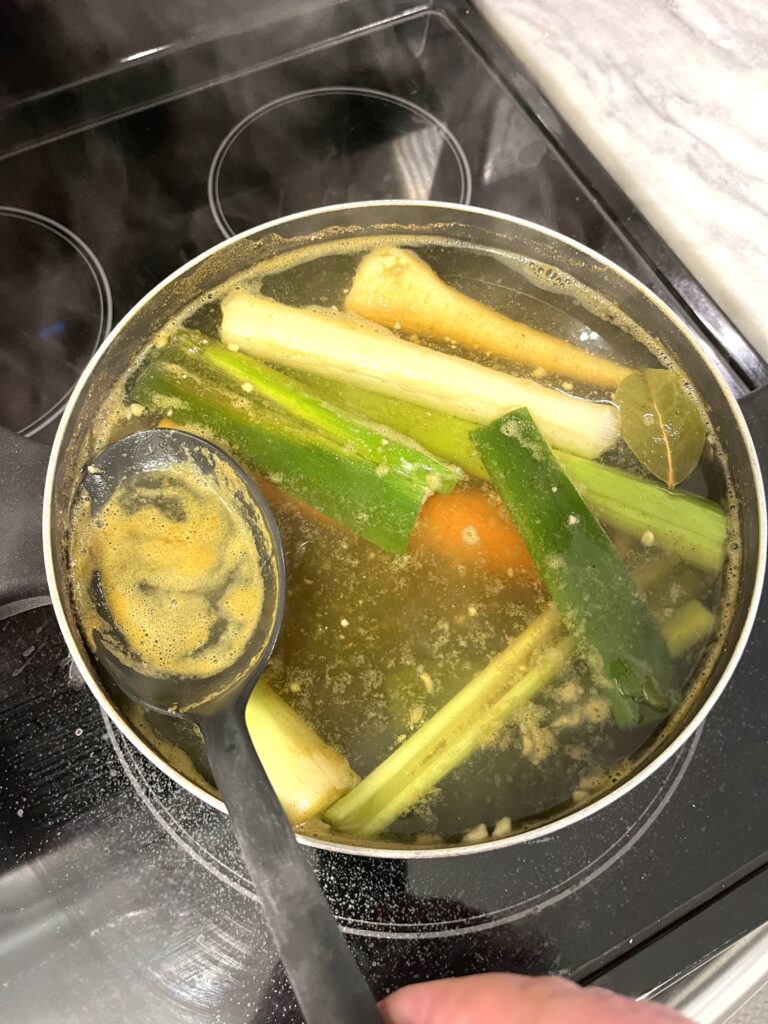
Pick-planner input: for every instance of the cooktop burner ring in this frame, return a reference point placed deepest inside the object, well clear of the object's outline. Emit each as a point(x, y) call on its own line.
point(411, 167)
point(204, 834)
point(561, 889)
point(71, 363)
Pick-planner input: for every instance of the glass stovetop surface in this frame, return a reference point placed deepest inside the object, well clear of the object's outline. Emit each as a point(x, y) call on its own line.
point(121, 897)
point(107, 187)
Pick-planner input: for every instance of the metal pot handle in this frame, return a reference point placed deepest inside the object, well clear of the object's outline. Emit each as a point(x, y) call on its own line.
point(23, 465)
point(755, 409)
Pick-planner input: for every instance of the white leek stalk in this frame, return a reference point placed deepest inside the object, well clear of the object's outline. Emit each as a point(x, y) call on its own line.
point(345, 350)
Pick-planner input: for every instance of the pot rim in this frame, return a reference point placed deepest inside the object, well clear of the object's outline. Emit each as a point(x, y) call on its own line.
point(410, 852)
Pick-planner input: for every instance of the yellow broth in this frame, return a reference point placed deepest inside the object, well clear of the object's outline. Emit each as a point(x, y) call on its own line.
point(373, 644)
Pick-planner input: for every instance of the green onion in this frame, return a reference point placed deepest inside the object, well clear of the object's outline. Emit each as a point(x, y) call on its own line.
point(470, 719)
point(455, 731)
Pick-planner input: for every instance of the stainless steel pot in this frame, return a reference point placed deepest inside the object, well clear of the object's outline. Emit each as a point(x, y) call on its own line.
point(23, 583)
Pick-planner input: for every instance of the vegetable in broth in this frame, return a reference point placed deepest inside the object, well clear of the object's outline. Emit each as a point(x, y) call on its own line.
point(396, 288)
point(590, 585)
point(661, 424)
point(429, 429)
point(681, 523)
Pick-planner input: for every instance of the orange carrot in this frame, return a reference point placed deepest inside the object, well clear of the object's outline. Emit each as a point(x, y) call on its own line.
point(472, 527)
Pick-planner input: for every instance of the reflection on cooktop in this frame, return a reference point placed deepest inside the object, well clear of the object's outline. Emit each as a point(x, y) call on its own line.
point(414, 899)
point(331, 145)
point(55, 308)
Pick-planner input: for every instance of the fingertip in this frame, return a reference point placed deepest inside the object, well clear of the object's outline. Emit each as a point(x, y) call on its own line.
point(486, 998)
point(500, 998)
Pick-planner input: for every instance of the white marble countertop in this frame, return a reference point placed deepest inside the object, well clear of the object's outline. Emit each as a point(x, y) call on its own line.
point(672, 97)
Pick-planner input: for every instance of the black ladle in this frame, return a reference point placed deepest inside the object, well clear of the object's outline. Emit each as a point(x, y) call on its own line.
point(317, 960)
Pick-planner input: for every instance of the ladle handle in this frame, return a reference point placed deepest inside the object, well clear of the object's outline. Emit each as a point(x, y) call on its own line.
point(326, 980)
point(22, 570)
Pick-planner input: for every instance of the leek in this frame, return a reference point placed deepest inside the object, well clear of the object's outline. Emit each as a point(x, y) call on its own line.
point(455, 731)
point(342, 350)
point(681, 524)
point(314, 468)
point(473, 717)
point(306, 773)
point(385, 449)
point(438, 432)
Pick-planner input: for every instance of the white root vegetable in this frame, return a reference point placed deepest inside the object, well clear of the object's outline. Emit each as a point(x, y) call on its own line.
point(371, 359)
point(396, 288)
point(307, 774)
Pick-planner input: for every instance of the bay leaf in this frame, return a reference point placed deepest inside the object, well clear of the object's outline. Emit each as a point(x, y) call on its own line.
point(661, 424)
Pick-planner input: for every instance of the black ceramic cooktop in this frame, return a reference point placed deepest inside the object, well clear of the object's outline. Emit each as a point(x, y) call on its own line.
point(122, 897)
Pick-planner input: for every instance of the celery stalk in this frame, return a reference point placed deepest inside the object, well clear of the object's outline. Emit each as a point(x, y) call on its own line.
point(455, 731)
point(683, 524)
point(441, 433)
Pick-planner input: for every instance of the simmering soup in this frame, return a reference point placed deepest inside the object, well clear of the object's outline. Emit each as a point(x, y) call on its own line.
point(508, 529)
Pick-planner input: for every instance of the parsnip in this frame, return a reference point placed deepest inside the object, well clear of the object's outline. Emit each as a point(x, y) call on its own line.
point(346, 351)
point(396, 288)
